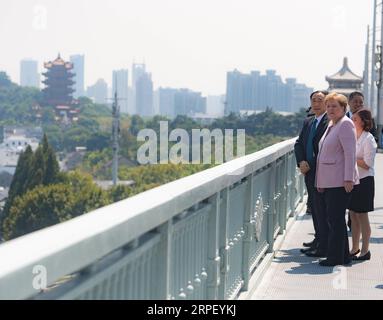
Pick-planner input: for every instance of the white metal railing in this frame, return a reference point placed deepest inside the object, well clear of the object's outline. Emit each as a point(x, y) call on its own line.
point(199, 237)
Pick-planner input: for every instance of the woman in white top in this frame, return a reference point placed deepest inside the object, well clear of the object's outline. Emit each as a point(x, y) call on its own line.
point(362, 197)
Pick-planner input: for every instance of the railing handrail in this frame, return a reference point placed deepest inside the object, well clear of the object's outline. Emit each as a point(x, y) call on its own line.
point(89, 237)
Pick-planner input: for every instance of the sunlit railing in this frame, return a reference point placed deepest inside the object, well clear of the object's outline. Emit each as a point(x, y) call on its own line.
point(199, 237)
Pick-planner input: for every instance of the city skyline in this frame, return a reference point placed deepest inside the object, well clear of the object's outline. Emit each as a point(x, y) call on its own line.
point(183, 45)
point(129, 77)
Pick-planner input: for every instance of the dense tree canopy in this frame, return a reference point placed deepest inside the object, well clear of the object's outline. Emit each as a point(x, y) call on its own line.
point(47, 205)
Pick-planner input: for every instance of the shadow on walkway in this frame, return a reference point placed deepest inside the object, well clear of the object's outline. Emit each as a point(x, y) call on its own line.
point(376, 239)
point(306, 265)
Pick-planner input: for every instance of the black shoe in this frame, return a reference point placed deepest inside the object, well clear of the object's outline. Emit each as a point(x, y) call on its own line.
point(366, 256)
point(309, 244)
point(308, 210)
point(315, 253)
point(355, 253)
point(307, 250)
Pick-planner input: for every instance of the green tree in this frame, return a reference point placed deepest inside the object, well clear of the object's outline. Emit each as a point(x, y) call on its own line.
point(4, 80)
point(119, 192)
point(38, 167)
point(52, 168)
point(33, 169)
point(38, 208)
point(44, 206)
point(22, 172)
point(88, 196)
point(137, 123)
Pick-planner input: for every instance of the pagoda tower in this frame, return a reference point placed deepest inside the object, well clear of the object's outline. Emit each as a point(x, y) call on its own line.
point(58, 83)
point(344, 81)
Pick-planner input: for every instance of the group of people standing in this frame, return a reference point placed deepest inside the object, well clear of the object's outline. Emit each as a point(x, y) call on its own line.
point(335, 151)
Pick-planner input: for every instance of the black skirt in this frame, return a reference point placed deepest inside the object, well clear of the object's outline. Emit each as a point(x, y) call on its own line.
point(362, 196)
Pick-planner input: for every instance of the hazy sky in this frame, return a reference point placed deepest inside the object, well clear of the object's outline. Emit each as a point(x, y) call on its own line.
point(189, 43)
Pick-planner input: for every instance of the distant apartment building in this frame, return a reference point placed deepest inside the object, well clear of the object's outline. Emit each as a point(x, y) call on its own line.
point(120, 85)
point(156, 102)
point(255, 91)
point(78, 70)
point(187, 102)
point(29, 75)
point(174, 102)
point(131, 101)
point(138, 69)
point(98, 92)
point(144, 95)
point(166, 101)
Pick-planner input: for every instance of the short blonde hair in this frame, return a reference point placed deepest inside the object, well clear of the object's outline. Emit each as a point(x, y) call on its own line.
point(340, 98)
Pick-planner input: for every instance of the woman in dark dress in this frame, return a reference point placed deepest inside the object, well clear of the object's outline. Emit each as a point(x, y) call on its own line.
point(362, 196)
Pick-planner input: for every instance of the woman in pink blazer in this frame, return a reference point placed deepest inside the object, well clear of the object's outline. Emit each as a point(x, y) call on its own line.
point(336, 176)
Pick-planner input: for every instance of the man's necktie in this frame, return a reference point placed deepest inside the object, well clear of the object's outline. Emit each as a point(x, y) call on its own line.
point(310, 146)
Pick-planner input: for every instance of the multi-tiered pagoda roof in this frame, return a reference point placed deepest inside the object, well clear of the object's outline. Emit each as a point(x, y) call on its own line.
point(59, 83)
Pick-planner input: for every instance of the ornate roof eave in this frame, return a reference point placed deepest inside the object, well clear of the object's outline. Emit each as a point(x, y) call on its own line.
point(59, 62)
point(344, 74)
point(330, 80)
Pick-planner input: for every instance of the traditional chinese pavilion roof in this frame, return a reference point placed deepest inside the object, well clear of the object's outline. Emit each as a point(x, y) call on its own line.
point(58, 62)
point(344, 74)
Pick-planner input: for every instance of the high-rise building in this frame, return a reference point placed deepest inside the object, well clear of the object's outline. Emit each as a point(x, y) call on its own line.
point(120, 83)
point(237, 97)
point(144, 94)
point(156, 102)
point(131, 101)
point(138, 69)
point(187, 102)
point(166, 97)
point(174, 102)
point(78, 68)
point(29, 75)
point(58, 82)
point(257, 92)
point(98, 92)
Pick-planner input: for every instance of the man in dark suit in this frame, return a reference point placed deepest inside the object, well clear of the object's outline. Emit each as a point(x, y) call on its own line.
point(306, 151)
point(356, 102)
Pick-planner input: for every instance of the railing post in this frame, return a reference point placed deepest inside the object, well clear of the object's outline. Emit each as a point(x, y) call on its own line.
point(224, 245)
point(278, 194)
point(165, 260)
point(284, 192)
point(213, 249)
point(291, 173)
point(271, 211)
point(295, 186)
point(249, 210)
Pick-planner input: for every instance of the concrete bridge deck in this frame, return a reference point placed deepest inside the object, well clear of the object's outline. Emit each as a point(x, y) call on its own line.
point(292, 275)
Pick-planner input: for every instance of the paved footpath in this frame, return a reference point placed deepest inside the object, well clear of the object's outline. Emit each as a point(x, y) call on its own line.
point(293, 275)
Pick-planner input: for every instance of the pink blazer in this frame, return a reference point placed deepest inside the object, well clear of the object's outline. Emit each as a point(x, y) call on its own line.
point(336, 162)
